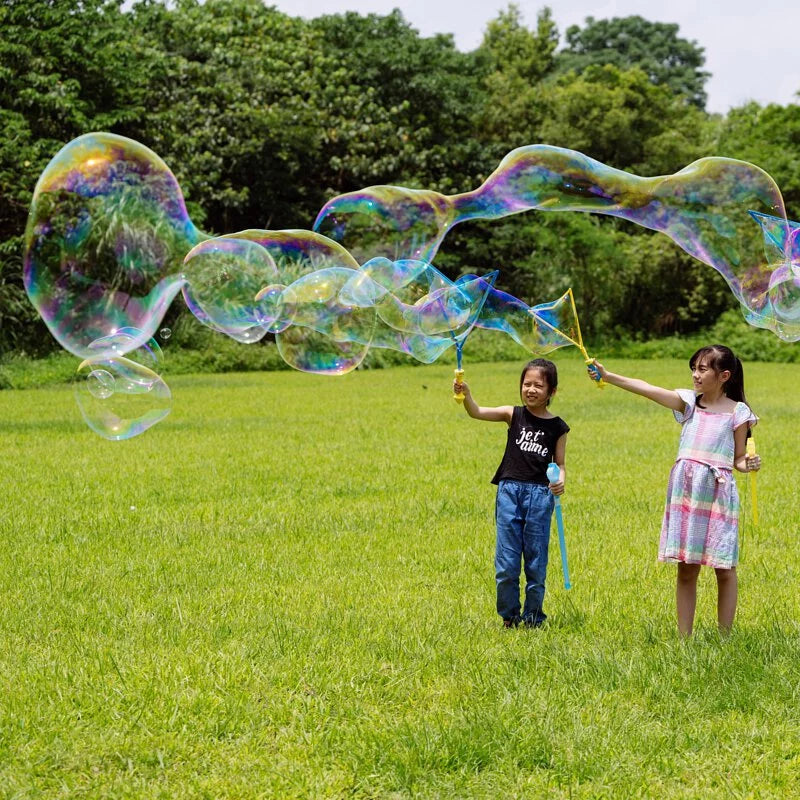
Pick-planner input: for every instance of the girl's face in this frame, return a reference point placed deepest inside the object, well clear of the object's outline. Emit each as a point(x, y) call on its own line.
point(706, 379)
point(535, 390)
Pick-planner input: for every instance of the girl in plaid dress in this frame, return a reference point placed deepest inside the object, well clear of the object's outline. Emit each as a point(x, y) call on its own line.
point(701, 518)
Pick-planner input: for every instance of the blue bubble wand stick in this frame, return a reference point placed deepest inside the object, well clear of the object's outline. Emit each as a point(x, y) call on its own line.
point(553, 474)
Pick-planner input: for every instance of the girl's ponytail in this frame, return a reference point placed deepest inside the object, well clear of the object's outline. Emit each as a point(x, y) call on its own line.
point(734, 387)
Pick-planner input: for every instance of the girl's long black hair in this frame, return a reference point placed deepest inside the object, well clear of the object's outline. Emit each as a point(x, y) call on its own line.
point(720, 358)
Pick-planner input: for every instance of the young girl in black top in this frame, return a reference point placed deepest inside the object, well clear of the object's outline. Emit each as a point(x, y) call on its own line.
point(524, 503)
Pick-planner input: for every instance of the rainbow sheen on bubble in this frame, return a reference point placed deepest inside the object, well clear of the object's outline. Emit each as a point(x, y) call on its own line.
point(223, 277)
point(105, 240)
point(109, 244)
point(100, 384)
point(540, 329)
point(714, 209)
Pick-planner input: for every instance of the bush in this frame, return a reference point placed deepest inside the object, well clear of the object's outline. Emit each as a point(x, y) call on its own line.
point(749, 343)
point(194, 349)
point(23, 372)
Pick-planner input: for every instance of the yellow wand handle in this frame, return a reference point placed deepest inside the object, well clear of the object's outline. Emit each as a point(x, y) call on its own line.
point(459, 398)
point(594, 372)
point(751, 451)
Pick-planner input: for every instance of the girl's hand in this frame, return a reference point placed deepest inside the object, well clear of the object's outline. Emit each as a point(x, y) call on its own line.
point(753, 463)
point(461, 387)
point(596, 368)
point(557, 488)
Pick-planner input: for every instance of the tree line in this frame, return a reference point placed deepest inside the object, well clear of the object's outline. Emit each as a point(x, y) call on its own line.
point(264, 116)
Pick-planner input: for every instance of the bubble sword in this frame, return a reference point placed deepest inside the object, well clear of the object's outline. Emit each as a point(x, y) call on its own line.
point(553, 474)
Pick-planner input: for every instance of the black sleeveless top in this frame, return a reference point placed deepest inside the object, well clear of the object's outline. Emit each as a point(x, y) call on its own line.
point(530, 447)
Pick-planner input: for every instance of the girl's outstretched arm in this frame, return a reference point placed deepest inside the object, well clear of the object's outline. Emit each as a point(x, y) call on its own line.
point(489, 414)
point(665, 397)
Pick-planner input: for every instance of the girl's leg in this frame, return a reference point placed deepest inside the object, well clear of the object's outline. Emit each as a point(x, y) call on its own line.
point(535, 546)
point(727, 595)
point(686, 596)
point(508, 551)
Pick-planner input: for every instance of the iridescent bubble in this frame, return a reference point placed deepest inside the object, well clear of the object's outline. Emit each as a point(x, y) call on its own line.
point(109, 244)
point(309, 351)
point(380, 276)
point(706, 208)
point(119, 392)
point(273, 311)
point(782, 296)
point(539, 329)
point(326, 335)
point(420, 299)
point(223, 278)
point(298, 252)
point(129, 341)
point(389, 221)
point(119, 398)
point(105, 241)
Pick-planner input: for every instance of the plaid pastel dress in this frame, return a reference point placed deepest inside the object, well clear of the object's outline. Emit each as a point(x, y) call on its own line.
point(701, 518)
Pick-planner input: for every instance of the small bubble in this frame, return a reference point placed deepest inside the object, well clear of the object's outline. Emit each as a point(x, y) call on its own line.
point(133, 508)
point(100, 383)
point(165, 333)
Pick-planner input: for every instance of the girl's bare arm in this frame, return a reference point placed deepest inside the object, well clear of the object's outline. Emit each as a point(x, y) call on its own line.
point(741, 461)
point(665, 397)
point(486, 413)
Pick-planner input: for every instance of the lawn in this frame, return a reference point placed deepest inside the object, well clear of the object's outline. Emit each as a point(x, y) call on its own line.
point(285, 589)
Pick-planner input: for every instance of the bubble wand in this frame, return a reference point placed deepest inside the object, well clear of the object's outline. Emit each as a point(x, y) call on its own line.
point(553, 474)
point(462, 337)
point(575, 339)
point(459, 398)
point(750, 450)
point(595, 373)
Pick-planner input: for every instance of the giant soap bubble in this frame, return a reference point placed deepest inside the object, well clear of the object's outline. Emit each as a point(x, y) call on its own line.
point(728, 214)
point(109, 245)
point(105, 241)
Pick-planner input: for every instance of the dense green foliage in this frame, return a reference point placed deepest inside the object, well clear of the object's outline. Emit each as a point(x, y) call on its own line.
point(285, 590)
point(654, 47)
point(264, 116)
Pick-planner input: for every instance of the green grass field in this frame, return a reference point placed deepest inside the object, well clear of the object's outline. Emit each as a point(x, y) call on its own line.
point(286, 589)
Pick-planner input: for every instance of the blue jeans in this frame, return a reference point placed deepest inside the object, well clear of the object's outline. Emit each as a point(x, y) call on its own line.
point(522, 514)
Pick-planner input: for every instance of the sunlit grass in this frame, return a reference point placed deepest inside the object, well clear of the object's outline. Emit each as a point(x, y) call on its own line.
point(285, 589)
